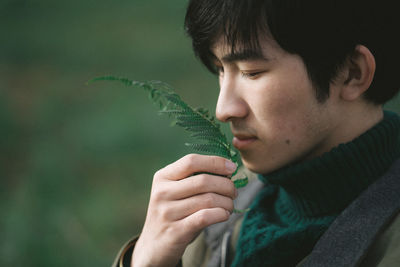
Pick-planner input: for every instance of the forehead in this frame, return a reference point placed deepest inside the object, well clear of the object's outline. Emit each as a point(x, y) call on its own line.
point(265, 48)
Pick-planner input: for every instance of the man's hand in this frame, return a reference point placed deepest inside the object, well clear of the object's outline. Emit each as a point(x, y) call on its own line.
point(182, 203)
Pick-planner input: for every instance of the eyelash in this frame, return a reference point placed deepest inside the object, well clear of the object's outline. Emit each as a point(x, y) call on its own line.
point(249, 75)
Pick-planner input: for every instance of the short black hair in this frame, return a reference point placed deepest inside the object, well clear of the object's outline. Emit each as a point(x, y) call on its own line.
point(323, 33)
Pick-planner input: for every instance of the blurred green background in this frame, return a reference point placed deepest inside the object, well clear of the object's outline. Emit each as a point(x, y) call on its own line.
point(76, 161)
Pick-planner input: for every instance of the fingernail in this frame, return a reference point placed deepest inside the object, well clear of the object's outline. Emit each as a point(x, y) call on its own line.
point(230, 166)
point(236, 193)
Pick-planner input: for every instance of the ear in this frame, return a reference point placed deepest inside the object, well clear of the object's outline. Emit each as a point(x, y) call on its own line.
point(359, 73)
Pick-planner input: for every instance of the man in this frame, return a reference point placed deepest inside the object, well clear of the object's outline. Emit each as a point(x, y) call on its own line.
point(302, 84)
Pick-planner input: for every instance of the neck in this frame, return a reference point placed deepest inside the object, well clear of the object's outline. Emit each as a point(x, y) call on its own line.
point(350, 121)
point(357, 119)
point(327, 184)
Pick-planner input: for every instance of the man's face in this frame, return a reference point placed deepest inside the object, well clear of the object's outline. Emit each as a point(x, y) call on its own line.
point(271, 105)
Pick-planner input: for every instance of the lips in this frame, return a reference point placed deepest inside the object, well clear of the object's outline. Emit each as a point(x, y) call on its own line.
point(243, 141)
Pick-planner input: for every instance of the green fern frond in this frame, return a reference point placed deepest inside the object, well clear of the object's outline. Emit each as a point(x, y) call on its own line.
point(191, 121)
point(216, 149)
point(241, 182)
point(198, 121)
point(208, 137)
point(172, 112)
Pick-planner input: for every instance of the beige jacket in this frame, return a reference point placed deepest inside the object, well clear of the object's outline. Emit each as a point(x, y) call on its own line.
point(383, 251)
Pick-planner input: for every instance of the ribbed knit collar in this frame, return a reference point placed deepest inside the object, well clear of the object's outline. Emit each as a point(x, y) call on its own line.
point(325, 185)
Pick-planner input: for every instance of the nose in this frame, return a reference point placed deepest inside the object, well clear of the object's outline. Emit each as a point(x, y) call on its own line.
point(231, 104)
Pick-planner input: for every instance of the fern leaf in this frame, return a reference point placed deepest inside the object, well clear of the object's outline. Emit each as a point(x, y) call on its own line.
point(241, 182)
point(125, 81)
point(196, 120)
point(208, 137)
point(172, 112)
point(215, 149)
point(194, 125)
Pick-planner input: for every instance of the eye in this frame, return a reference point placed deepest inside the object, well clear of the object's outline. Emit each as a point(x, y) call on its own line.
point(251, 75)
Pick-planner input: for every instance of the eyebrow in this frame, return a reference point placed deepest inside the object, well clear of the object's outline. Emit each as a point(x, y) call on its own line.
point(243, 55)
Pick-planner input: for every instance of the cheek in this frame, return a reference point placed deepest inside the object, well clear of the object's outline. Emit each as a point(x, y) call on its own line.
point(280, 100)
point(285, 110)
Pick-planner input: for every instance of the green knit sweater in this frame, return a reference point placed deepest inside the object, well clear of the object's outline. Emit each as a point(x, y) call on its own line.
point(299, 202)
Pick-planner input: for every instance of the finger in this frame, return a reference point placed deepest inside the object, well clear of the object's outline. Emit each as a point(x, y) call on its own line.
point(203, 218)
point(203, 183)
point(188, 206)
point(194, 163)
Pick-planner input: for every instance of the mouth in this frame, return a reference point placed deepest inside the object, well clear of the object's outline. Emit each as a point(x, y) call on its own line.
point(243, 141)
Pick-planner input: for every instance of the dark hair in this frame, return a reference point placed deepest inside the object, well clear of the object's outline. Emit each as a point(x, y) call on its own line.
point(323, 33)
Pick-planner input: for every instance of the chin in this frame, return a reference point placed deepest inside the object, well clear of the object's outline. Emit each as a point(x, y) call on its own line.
point(256, 168)
point(262, 167)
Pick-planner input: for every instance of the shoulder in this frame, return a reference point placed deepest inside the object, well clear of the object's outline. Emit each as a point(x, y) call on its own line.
point(385, 251)
point(368, 230)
